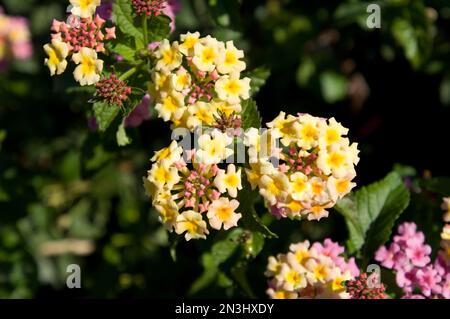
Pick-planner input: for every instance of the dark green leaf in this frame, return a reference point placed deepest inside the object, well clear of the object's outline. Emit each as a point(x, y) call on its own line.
point(123, 16)
point(370, 213)
point(440, 185)
point(250, 115)
point(158, 28)
point(105, 114)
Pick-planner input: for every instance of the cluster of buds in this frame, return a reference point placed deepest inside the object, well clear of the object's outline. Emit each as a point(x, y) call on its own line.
point(81, 33)
point(366, 287)
point(81, 38)
point(301, 164)
point(112, 90)
point(198, 79)
point(15, 37)
point(149, 7)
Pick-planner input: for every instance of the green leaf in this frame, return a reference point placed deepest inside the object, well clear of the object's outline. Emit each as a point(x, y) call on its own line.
point(123, 16)
point(250, 115)
point(305, 71)
point(158, 28)
point(250, 219)
point(122, 49)
point(121, 136)
point(258, 78)
point(439, 185)
point(370, 214)
point(333, 86)
point(104, 114)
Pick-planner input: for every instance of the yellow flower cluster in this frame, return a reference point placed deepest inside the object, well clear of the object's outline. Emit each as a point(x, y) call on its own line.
point(198, 82)
point(314, 164)
point(191, 191)
point(306, 272)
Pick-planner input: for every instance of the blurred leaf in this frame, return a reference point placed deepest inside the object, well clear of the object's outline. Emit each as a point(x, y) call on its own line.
point(444, 90)
point(439, 185)
point(333, 86)
point(305, 71)
point(258, 78)
point(370, 214)
point(125, 51)
point(250, 115)
point(121, 136)
point(105, 113)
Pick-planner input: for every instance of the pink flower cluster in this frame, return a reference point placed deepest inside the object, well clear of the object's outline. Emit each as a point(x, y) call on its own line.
point(333, 250)
point(83, 33)
point(409, 257)
point(14, 38)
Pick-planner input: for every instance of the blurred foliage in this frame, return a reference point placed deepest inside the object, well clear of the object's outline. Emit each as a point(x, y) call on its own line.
point(70, 196)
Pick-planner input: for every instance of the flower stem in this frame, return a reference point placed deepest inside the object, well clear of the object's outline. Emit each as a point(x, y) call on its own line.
point(130, 72)
point(145, 29)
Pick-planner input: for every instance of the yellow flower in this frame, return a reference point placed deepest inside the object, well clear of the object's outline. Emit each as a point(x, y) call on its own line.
point(213, 148)
point(291, 278)
point(309, 131)
point(57, 53)
point(229, 181)
point(228, 61)
point(222, 212)
point(188, 42)
point(168, 211)
point(338, 188)
point(299, 186)
point(192, 223)
point(162, 174)
point(332, 133)
point(84, 8)
point(171, 107)
point(225, 107)
point(169, 56)
point(206, 54)
point(170, 154)
point(181, 80)
point(274, 187)
point(201, 113)
point(231, 89)
point(89, 68)
point(335, 160)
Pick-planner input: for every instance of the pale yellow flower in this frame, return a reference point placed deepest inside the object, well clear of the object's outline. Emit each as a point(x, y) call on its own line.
point(188, 42)
point(222, 212)
point(169, 56)
point(229, 59)
point(192, 224)
point(84, 8)
point(232, 89)
point(229, 181)
point(57, 53)
point(89, 66)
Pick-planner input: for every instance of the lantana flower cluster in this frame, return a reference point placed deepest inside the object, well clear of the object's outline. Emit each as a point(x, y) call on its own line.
point(301, 165)
point(15, 39)
point(197, 82)
point(310, 271)
point(409, 257)
point(192, 192)
point(81, 38)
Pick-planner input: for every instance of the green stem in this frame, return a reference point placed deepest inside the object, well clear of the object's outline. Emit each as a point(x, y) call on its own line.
point(130, 72)
point(145, 29)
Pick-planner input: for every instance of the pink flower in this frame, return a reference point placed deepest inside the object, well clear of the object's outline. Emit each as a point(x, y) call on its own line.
point(419, 254)
point(428, 280)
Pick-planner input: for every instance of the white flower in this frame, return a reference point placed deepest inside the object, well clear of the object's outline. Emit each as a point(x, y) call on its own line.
point(89, 68)
point(229, 181)
point(222, 212)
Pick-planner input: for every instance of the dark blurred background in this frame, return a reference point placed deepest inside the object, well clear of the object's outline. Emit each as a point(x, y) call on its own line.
point(64, 186)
